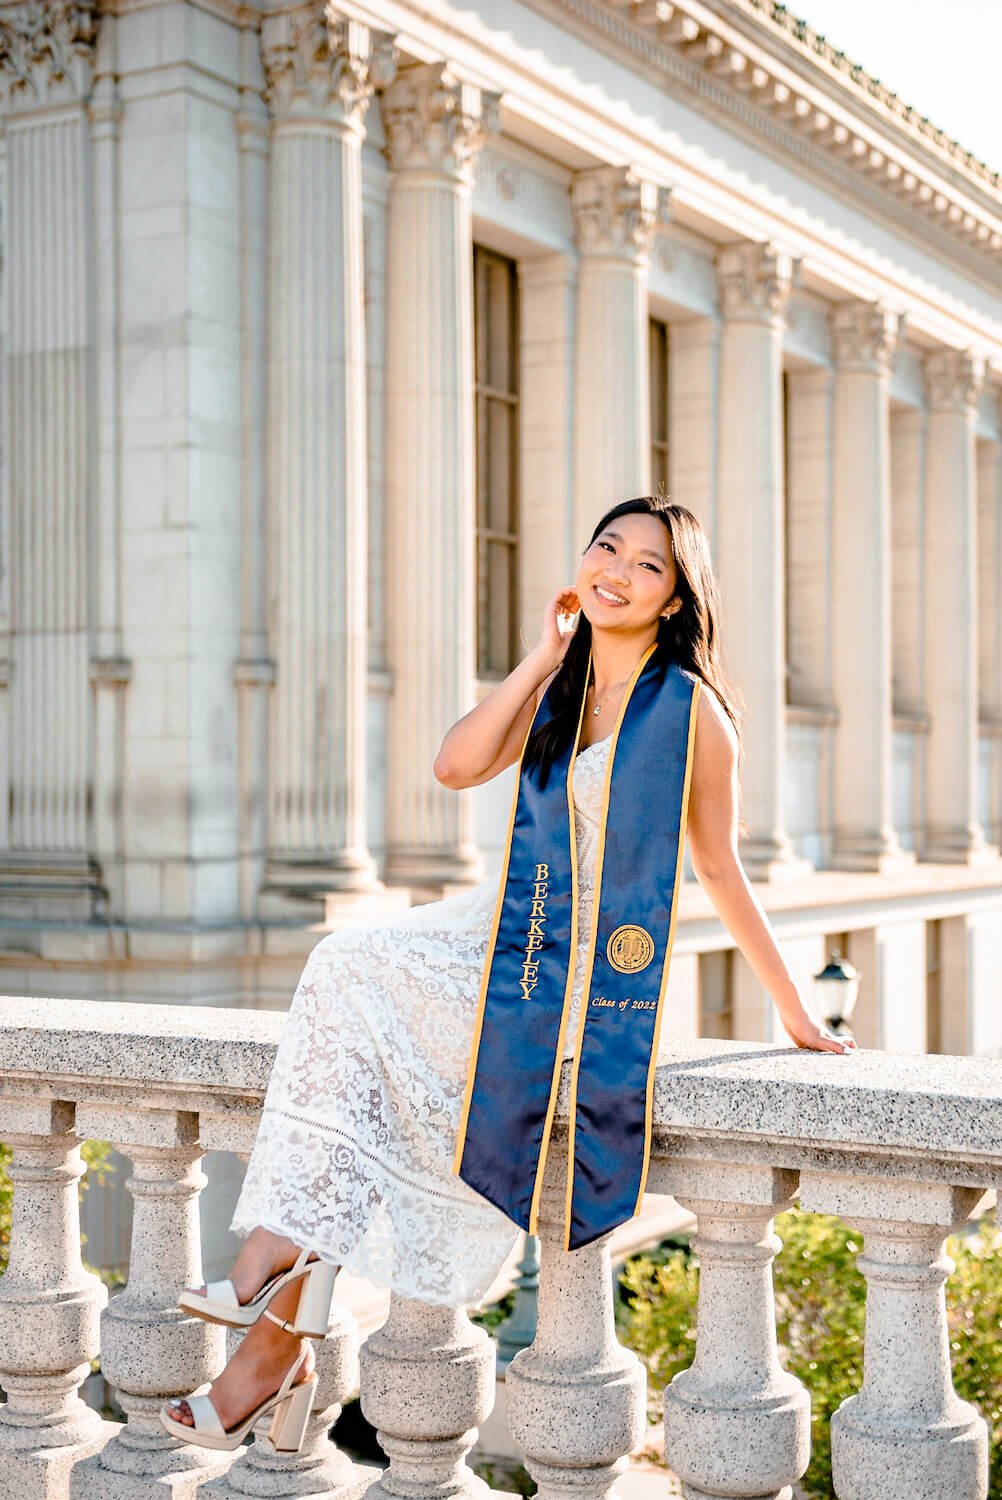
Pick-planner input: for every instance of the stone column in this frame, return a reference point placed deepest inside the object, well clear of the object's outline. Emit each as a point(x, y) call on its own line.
point(435, 125)
point(49, 1307)
point(754, 287)
point(693, 381)
point(318, 92)
point(989, 480)
point(908, 607)
point(864, 336)
point(46, 67)
point(953, 833)
point(907, 1432)
point(808, 545)
point(736, 1423)
point(615, 214)
point(427, 1384)
point(150, 1350)
point(546, 290)
point(575, 1398)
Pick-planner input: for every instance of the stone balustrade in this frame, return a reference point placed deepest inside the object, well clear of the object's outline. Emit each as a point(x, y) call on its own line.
point(905, 1148)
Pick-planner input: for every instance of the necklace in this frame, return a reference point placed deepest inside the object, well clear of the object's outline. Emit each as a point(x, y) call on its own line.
point(599, 706)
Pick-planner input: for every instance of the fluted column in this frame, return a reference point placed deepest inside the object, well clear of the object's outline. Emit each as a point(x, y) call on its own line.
point(615, 214)
point(808, 541)
point(49, 1307)
point(864, 337)
point(150, 1350)
point(318, 90)
point(907, 1432)
point(575, 1398)
point(953, 833)
point(754, 288)
point(989, 457)
point(435, 125)
point(427, 1384)
point(46, 67)
point(736, 1423)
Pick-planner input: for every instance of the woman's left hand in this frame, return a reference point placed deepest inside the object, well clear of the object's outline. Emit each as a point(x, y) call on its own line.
point(806, 1032)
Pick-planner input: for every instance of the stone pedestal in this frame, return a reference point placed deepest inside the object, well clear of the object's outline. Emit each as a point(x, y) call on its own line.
point(319, 86)
point(953, 833)
point(736, 1423)
point(864, 337)
point(615, 213)
point(754, 285)
point(435, 124)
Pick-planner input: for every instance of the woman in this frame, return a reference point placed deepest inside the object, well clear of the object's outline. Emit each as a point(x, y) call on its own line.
point(352, 1165)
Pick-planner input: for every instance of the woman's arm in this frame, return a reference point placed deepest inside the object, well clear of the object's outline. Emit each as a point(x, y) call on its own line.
point(490, 736)
point(713, 846)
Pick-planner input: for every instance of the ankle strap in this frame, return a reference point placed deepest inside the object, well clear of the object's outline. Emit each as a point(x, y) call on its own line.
point(282, 1323)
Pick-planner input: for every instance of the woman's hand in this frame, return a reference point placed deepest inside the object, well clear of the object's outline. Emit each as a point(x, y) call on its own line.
point(553, 641)
point(806, 1032)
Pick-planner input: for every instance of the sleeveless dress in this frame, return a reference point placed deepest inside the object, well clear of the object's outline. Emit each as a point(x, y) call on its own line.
point(353, 1156)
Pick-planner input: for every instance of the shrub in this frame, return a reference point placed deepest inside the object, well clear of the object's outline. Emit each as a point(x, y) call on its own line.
point(820, 1313)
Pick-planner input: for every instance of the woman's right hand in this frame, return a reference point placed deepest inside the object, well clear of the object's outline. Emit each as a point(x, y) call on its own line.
point(553, 641)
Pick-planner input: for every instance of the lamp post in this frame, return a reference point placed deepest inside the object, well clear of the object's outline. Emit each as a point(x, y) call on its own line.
point(836, 990)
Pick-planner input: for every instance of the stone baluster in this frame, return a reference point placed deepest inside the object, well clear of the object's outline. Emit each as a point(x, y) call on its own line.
point(435, 125)
point(736, 1423)
point(150, 1350)
point(575, 1397)
point(427, 1384)
point(319, 1468)
point(49, 1307)
point(907, 1432)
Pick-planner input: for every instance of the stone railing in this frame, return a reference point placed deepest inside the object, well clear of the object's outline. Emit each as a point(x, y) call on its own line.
point(906, 1149)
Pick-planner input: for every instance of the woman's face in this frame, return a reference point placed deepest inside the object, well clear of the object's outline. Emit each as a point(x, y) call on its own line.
point(627, 576)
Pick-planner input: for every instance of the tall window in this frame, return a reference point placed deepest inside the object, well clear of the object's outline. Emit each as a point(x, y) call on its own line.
point(716, 993)
point(657, 364)
point(495, 292)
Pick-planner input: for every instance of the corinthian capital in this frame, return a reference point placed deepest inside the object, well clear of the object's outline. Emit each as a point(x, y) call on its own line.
point(47, 51)
point(953, 379)
point(615, 212)
point(754, 282)
point(435, 121)
point(864, 335)
point(317, 61)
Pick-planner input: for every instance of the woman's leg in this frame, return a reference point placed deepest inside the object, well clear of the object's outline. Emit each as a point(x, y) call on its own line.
point(258, 1367)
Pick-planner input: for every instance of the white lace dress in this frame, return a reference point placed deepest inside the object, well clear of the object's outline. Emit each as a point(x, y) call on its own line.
point(354, 1152)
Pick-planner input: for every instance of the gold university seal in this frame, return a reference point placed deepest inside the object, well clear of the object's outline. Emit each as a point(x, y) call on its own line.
point(630, 949)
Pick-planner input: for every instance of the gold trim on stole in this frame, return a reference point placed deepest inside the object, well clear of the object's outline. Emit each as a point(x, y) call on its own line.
point(679, 861)
point(478, 1025)
point(551, 1107)
point(593, 938)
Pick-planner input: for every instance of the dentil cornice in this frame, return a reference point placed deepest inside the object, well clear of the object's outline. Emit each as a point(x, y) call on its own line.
point(47, 51)
point(319, 62)
point(864, 336)
point(616, 211)
point(434, 121)
point(754, 282)
point(953, 380)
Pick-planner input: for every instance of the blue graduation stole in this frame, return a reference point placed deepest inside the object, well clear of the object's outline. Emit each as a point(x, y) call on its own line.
point(528, 977)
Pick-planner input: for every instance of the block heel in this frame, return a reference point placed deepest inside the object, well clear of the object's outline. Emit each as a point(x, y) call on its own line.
point(288, 1425)
point(313, 1311)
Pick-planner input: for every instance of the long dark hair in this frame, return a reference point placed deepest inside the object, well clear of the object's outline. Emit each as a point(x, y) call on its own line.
point(690, 637)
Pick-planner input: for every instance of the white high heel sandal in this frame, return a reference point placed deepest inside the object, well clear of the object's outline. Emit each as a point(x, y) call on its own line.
point(291, 1403)
point(219, 1302)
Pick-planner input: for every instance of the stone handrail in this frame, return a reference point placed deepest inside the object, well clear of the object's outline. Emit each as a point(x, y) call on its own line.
point(905, 1148)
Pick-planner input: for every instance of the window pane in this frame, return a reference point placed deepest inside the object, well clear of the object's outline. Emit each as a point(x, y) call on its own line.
point(496, 345)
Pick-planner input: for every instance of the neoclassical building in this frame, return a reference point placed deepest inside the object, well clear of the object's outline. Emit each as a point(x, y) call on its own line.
point(327, 336)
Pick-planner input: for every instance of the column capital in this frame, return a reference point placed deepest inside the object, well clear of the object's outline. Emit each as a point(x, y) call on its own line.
point(953, 379)
point(616, 211)
point(318, 62)
point(864, 336)
point(47, 52)
point(436, 121)
point(754, 282)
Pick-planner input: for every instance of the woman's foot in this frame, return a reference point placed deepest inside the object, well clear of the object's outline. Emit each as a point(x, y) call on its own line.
point(262, 1256)
point(265, 1355)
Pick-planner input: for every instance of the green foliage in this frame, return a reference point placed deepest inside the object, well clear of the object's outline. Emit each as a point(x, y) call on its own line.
point(493, 1316)
point(820, 1314)
point(95, 1155)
